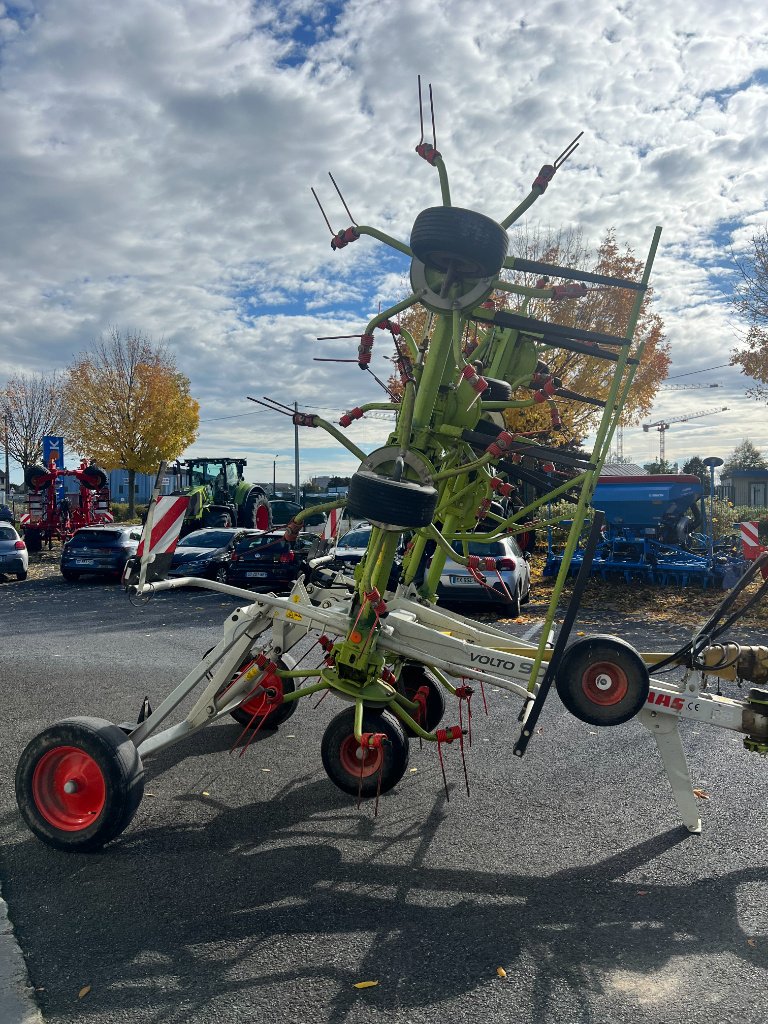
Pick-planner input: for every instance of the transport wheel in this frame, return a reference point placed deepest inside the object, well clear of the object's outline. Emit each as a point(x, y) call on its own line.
point(602, 680)
point(365, 771)
point(94, 478)
point(256, 512)
point(470, 243)
point(412, 677)
point(497, 391)
point(244, 715)
point(78, 784)
point(393, 502)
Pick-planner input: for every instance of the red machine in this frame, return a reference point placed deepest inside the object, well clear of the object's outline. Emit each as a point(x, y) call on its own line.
point(49, 515)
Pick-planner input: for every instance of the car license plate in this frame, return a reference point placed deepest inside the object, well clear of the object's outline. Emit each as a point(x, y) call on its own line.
point(462, 581)
point(85, 561)
point(258, 575)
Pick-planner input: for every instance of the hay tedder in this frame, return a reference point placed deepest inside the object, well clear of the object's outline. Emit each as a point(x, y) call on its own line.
point(450, 475)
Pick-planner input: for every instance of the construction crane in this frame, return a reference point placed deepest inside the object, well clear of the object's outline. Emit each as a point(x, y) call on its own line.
point(663, 425)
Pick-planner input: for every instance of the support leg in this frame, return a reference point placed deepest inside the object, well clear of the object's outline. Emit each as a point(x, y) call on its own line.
point(664, 729)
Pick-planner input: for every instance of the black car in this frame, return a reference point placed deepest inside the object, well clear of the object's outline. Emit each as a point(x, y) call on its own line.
point(205, 553)
point(268, 561)
point(98, 551)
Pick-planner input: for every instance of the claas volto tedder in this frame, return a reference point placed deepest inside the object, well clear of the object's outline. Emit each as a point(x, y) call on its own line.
point(398, 663)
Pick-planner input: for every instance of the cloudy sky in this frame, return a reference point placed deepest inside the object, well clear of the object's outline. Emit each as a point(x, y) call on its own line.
point(156, 159)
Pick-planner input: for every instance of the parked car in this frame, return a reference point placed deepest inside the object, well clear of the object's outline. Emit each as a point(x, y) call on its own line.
point(283, 512)
point(350, 548)
point(205, 553)
point(510, 582)
point(98, 550)
point(14, 559)
point(268, 561)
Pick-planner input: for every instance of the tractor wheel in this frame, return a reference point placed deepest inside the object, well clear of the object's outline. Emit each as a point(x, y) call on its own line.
point(470, 243)
point(364, 771)
point(391, 502)
point(603, 680)
point(256, 513)
point(78, 784)
point(497, 391)
point(412, 676)
point(217, 516)
point(69, 576)
point(34, 541)
point(251, 714)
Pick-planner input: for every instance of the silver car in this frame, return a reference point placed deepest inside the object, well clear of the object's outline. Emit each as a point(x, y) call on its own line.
point(14, 560)
point(507, 586)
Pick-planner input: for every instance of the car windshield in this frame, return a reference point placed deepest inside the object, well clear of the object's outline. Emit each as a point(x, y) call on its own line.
point(355, 539)
point(261, 542)
point(103, 538)
point(206, 539)
point(493, 550)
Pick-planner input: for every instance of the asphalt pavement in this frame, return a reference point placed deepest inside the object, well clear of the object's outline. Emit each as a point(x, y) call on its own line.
point(562, 890)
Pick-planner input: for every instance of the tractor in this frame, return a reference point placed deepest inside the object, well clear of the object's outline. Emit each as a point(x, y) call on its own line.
point(50, 515)
point(218, 494)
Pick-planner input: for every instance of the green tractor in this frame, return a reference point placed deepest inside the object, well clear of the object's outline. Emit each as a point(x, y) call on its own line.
point(219, 495)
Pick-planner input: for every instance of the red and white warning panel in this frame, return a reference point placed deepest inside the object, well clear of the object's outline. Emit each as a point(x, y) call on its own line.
point(154, 556)
point(750, 541)
point(332, 524)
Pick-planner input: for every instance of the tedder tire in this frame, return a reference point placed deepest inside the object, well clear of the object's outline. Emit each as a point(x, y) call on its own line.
point(256, 512)
point(394, 502)
point(497, 391)
point(367, 772)
point(412, 676)
point(250, 714)
point(78, 784)
point(471, 243)
point(603, 680)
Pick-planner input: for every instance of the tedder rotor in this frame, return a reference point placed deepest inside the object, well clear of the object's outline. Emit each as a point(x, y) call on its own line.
point(451, 474)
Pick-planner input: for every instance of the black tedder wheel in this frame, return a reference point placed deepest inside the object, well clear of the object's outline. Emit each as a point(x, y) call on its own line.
point(394, 502)
point(364, 771)
point(470, 243)
point(603, 680)
point(497, 391)
point(79, 783)
point(412, 676)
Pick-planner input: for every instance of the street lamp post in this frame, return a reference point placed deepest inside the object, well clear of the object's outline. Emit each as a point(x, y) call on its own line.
point(274, 465)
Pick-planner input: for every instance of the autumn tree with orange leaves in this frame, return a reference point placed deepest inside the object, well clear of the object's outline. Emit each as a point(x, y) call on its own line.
point(128, 406)
point(605, 309)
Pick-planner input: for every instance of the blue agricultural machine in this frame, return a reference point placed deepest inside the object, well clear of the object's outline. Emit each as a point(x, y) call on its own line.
point(655, 531)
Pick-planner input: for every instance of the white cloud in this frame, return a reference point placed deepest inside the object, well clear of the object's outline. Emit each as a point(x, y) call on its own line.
point(157, 158)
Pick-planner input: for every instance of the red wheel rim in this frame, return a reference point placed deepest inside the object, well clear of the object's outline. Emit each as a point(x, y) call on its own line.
point(604, 683)
point(365, 765)
point(68, 788)
point(256, 707)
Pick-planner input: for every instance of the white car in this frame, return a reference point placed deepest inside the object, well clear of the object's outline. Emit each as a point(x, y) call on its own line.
point(14, 559)
point(508, 585)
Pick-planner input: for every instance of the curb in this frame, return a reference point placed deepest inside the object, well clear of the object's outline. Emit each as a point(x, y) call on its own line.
point(17, 1001)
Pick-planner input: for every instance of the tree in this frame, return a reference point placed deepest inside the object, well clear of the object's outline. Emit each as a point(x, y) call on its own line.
point(601, 309)
point(695, 467)
point(744, 456)
point(750, 301)
point(128, 406)
point(33, 406)
point(659, 467)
